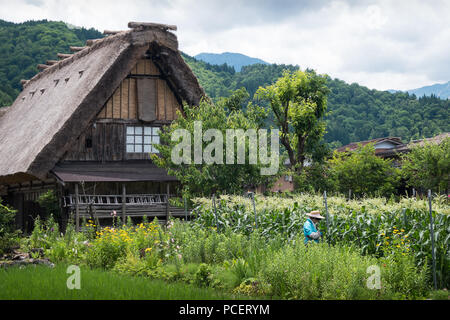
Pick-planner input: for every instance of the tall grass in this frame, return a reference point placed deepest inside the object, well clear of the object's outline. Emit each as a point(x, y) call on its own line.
point(44, 283)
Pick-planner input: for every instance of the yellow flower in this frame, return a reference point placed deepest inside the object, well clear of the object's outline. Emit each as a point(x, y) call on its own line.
point(148, 249)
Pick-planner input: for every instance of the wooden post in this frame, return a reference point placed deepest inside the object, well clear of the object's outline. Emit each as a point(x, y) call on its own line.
point(124, 203)
point(254, 209)
point(167, 203)
point(77, 209)
point(405, 219)
point(433, 253)
point(215, 212)
point(326, 212)
point(185, 208)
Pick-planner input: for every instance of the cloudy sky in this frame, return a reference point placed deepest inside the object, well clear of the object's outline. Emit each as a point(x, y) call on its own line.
point(382, 44)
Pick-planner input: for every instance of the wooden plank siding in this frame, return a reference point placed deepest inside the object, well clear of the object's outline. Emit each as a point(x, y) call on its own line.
point(106, 138)
point(123, 104)
point(108, 144)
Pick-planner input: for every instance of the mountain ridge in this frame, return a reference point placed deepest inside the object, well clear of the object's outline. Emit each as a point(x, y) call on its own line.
point(234, 59)
point(440, 90)
point(356, 113)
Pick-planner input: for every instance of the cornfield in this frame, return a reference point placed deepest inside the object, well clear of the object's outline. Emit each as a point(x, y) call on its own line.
point(373, 225)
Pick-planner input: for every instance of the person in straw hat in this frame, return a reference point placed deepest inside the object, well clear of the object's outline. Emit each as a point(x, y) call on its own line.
point(310, 227)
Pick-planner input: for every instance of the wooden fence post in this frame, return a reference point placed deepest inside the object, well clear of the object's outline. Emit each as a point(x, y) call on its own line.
point(77, 209)
point(433, 253)
point(326, 211)
point(215, 212)
point(124, 203)
point(185, 208)
point(167, 203)
point(254, 210)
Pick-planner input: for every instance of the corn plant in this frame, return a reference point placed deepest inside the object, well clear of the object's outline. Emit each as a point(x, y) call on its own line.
point(369, 224)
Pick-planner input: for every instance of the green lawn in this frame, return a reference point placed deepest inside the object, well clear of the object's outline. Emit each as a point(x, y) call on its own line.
point(42, 282)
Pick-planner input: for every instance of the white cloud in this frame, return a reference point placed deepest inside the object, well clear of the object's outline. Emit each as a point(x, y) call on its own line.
point(382, 44)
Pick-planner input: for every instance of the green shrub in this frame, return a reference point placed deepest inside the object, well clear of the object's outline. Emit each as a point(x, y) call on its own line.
point(45, 233)
point(8, 233)
point(320, 271)
point(49, 201)
point(203, 275)
point(440, 295)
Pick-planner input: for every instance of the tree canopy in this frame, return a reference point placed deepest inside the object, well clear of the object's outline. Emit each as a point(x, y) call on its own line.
point(355, 113)
point(298, 101)
point(219, 175)
point(428, 166)
point(363, 172)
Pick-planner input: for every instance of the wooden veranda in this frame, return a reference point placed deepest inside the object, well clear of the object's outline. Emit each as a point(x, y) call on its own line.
point(122, 206)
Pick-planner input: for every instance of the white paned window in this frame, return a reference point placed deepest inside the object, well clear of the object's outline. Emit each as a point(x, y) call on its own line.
point(142, 139)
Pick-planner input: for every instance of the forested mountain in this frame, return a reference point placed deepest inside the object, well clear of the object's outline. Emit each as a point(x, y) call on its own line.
point(355, 112)
point(236, 60)
point(24, 45)
point(440, 90)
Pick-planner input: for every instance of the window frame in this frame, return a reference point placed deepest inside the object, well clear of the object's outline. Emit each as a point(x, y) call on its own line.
point(146, 139)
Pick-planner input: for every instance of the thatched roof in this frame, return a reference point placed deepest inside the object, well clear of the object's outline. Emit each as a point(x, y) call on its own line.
point(3, 110)
point(58, 103)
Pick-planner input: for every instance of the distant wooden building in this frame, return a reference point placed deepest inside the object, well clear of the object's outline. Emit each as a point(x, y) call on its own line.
point(381, 145)
point(392, 147)
point(86, 124)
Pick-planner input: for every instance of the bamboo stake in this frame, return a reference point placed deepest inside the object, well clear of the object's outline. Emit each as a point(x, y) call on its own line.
point(77, 210)
point(215, 212)
point(433, 253)
point(124, 203)
point(185, 208)
point(167, 204)
point(326, 211)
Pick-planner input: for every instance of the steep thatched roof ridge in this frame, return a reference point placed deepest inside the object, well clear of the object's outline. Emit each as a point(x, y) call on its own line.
point(3, 110)
point(58, 103)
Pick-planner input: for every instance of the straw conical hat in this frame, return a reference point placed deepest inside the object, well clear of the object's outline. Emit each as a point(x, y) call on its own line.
point(315, 214)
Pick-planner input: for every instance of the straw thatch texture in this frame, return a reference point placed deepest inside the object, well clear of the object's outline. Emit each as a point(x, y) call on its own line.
point(3, 110)
point(58, 103)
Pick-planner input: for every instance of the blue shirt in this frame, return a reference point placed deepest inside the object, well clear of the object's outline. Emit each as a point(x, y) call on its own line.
point(309, 228)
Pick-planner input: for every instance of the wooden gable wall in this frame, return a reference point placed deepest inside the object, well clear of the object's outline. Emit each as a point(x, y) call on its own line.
point(105, 140)
point(123, 104)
